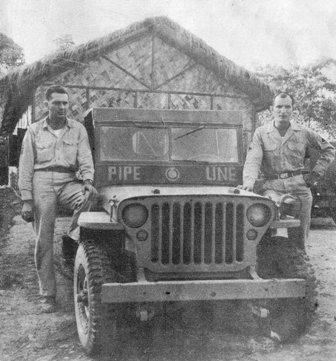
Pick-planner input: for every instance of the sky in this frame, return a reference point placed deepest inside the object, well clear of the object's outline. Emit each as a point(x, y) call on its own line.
point(248, 32)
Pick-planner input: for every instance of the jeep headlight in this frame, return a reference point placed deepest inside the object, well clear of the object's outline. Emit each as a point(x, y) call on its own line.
point(134, 215)
point(258, 214)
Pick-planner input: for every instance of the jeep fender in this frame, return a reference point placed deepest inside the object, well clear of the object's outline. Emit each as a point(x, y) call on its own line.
point(98, 225)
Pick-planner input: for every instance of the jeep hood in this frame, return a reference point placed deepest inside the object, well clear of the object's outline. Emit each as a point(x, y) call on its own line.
point(120, 193)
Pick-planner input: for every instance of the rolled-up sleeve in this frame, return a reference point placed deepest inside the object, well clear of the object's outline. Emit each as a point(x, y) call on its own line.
point(84, 156)
point(26, 166)
point(253, 158)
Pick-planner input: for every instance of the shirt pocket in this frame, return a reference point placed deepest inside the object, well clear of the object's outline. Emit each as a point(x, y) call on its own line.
point(70, 151)
point(270, 147)
point(297, 148)
point(44, 151)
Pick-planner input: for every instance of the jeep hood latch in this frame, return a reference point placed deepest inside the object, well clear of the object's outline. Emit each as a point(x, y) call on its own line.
point(113, 211)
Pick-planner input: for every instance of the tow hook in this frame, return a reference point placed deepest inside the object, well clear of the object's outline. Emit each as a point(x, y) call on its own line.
point(259, 311)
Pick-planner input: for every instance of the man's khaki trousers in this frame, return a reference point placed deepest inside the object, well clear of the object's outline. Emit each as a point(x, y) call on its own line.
point(51, 189)
point(296, 186)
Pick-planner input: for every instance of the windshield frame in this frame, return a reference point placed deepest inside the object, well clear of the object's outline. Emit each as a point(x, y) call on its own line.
point(192, 127)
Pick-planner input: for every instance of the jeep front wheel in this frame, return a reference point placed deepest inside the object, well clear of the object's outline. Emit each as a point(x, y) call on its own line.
point(95, 320)
point(288, 317)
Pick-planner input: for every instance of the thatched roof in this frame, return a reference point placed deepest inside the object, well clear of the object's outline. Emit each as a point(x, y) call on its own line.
point(17, 87)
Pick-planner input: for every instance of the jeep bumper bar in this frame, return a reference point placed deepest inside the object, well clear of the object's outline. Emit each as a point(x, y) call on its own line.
point(202, 290)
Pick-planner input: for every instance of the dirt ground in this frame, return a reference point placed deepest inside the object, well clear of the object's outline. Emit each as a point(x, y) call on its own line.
point(29, 336)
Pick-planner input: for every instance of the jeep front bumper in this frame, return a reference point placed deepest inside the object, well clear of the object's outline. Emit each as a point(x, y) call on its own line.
point(202, 290)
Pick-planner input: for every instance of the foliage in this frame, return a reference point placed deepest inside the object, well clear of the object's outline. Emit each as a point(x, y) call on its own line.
point(11, 54)
point(313, 91)
point(64, 42)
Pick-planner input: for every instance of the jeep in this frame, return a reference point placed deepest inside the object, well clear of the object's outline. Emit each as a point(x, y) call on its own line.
point(173, 226)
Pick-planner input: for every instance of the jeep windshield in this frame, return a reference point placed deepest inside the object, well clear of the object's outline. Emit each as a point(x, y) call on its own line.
point(202, 143)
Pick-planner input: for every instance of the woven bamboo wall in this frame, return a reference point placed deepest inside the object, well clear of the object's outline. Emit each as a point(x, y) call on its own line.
point(147, 73)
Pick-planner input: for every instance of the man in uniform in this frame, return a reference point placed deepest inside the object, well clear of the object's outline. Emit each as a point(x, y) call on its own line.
point(53, 150)
point(278, 150)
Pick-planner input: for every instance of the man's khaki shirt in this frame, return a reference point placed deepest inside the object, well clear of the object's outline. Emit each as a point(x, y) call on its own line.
point(42, 148)
point(272, 154)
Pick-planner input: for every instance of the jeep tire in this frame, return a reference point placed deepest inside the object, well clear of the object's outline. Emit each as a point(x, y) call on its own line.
point(289, 317)
point(96, 322)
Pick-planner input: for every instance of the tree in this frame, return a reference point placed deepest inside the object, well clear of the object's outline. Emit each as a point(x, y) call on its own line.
point(314, 93)
point(11, 54)
point(64, 42)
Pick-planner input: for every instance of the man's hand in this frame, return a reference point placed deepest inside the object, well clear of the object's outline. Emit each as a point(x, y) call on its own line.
point(248, 186)
point(27, 211)
point(311, 179)
point(88, 187)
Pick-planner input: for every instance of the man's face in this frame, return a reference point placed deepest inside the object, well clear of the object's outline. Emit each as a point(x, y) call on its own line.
point(58, 106)
point(282, 111)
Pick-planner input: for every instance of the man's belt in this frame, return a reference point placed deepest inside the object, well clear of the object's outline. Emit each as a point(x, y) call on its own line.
point(284, 175)
point(57, 169)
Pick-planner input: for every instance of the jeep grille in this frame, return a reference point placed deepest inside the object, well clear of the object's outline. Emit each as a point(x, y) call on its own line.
point(197, 233)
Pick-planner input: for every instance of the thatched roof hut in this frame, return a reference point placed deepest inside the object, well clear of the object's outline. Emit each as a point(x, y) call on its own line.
point(155, 58)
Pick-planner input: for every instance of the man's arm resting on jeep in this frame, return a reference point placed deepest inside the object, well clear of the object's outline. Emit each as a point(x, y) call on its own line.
point(253, 162)
point(248, 185)
point(84, 156)
point(88, 187)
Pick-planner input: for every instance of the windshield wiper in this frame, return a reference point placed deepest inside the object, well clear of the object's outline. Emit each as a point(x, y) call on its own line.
point(195, 161)
point(190, 132)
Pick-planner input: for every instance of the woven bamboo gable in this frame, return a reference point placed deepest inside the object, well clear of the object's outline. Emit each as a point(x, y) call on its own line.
point(146, 74)
point(152, 64)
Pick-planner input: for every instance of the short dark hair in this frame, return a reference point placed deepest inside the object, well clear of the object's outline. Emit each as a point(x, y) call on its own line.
point(55, 89)
point(284, 95)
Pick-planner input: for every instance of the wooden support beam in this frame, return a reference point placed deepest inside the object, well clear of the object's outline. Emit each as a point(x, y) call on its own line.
point(88, 98)
point(135, 99)
point(175, 76)
point(153, 62)
point(126, 72)
point(228, 95)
